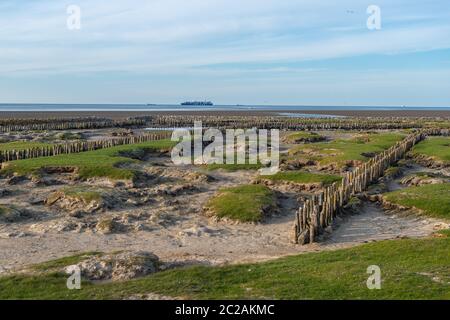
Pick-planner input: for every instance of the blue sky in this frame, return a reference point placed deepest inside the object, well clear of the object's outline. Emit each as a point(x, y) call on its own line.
point(228, 51)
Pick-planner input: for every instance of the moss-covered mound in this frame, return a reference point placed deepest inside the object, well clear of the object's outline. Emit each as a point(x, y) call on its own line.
point(81, 198)
point(246, 203)
point(98, 163)
point(303, 137)
point(433, 152)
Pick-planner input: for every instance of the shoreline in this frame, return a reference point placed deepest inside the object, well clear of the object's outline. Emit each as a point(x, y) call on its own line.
point(125, 114)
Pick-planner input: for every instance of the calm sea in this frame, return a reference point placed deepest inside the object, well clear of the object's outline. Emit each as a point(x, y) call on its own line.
point(169, 107)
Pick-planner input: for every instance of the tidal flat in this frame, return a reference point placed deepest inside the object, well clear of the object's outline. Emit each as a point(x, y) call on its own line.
point(149, 221)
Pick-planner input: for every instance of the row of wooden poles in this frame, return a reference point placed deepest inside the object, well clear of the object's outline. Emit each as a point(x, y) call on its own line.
point(284, 123)
point(437, 132)
point(318, 212)
point(217, 121)
point(12, 125)
point(79, 146)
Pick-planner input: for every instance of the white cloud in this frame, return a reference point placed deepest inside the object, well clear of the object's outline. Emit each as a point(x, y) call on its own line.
point(155, 35)
point(188, 38)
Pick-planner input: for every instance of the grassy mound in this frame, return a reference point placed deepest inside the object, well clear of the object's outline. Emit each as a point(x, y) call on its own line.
point(343, 150)
point(432, 199)
point(244, 203)
point(410, 269)
point(303, 177)
point(97, 163)
point(69, 135)
point(83, 194)
point(435, 147)
point(303, 136)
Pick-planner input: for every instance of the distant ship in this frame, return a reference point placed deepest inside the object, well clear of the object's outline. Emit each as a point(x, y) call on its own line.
point(197, 103)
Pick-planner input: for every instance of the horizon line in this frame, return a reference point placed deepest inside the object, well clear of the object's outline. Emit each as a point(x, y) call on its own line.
point(220, 105)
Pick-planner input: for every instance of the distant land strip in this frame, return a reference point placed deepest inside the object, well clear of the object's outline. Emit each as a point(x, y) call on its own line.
point(117, 115)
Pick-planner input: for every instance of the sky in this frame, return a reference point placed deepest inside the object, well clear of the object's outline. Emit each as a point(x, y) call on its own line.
point(290, 52)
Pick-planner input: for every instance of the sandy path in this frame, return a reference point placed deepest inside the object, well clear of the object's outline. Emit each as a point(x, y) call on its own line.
point(202, 241)
point(373, 224)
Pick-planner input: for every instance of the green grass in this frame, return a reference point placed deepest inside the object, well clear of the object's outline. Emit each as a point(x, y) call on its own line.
point(303, 136)
point(407, 270)
point(343, 150)
point(97, 163)
point(22, 145)
point(303, 177)
point(436, 147)
point(432, 199)
point(55, 265)
point(79, 193)
point(87, 195)
point(69, 136)
point(243, 203)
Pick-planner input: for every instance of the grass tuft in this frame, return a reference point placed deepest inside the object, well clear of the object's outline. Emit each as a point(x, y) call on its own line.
point(86, 195)
point(244, 203)
point(303, 136)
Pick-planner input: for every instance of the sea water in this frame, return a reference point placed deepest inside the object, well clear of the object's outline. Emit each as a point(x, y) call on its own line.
point(173, 107)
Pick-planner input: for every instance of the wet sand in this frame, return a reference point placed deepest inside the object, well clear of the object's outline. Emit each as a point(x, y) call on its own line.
point(125, 114)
